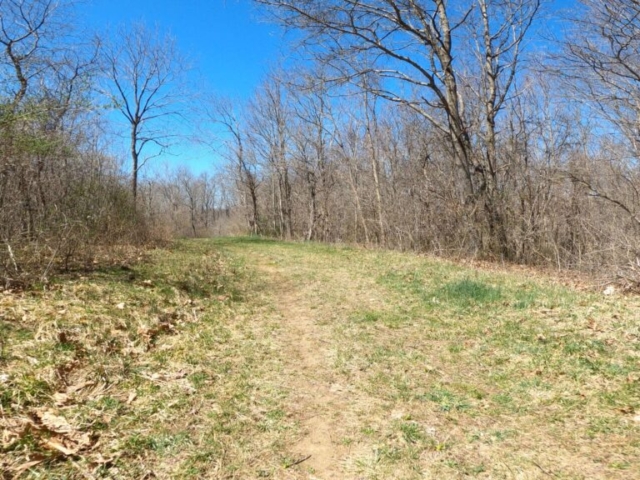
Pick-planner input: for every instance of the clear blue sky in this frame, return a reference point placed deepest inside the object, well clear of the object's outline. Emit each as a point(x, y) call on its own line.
point(225, 38)
point(228, 43)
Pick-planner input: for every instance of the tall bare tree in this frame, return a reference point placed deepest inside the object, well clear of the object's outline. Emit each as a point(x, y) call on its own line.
point(144, 78)
point(241, 157)
point(270, 136)
point(602, 66)
point(312, 140)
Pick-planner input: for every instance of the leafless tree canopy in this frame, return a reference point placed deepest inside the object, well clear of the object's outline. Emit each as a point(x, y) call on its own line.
point(418, 124)
point(454, 63)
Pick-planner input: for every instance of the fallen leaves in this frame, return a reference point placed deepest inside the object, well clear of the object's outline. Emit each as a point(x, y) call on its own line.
point(19, 470)
point(61, 399)
point(53, 422)
point(131, 398)
point(50, 430)
point(67, 446)
point(165, 377)
point(75, 353)
point(179, 379)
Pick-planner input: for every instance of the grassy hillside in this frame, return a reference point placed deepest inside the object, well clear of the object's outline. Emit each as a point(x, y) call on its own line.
point(246, 358)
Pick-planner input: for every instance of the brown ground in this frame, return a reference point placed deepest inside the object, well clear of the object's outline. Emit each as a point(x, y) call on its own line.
point(323, 404)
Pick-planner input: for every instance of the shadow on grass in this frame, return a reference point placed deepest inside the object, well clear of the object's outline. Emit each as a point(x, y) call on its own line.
point(465, 293)
point(307, 246)
point(193, 267)
point(247, 240)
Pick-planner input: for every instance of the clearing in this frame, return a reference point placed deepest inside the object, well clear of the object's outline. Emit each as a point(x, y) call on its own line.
point(244, 358)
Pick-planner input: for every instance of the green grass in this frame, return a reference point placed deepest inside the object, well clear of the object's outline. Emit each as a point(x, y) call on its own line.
point(157, 363)
point(467, 353)
point(420, 368)
point(467, 293)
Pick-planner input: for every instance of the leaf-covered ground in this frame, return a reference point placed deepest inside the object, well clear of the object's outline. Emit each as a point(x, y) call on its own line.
point(246, 358)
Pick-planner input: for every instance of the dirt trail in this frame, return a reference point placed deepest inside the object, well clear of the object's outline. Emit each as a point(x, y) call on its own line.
point(323, 405)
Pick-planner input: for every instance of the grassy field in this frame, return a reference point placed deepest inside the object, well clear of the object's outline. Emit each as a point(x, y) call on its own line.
point(246, 358)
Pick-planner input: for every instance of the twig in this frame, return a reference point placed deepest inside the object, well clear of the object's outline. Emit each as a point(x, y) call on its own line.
point(43, 277)
point(298, 462)
point(543, 470)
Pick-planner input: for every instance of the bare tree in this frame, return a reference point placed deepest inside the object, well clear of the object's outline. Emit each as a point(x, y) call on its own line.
point(270, 136)
point(58, 192)
point(238, 152)
point(27, 28)
point(313, 137)
point(144, 71)
point(349, 145)
point(602, 66)
point(417, 53)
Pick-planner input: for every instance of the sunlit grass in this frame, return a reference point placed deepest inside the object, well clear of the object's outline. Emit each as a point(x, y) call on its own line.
point(449, 357)
point(155, 361)
point(183, 367)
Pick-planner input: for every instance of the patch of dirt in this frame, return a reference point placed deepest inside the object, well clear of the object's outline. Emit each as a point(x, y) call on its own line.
point(322, 403)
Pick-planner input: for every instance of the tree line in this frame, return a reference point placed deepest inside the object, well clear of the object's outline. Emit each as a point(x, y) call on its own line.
point(441, 126)
point(430, 125)
point(68, 97)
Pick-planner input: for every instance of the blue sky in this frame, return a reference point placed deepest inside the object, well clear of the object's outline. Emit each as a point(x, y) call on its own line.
point(225, 39)
point(228, 43)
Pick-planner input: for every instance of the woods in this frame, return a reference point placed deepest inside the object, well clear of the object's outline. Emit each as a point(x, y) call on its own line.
point(438, 126)
point(455, 128)
point(59, 191)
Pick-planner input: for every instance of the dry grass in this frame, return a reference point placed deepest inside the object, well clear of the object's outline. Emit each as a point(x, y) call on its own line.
point(148, 370)
point(242, 358)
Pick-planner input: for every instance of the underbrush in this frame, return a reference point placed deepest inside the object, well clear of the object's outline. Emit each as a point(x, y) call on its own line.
point(93, 365)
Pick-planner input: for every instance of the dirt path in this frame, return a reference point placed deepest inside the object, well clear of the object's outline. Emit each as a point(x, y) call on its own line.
point(322, 403)
point(340, 420)
point(320, 407)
